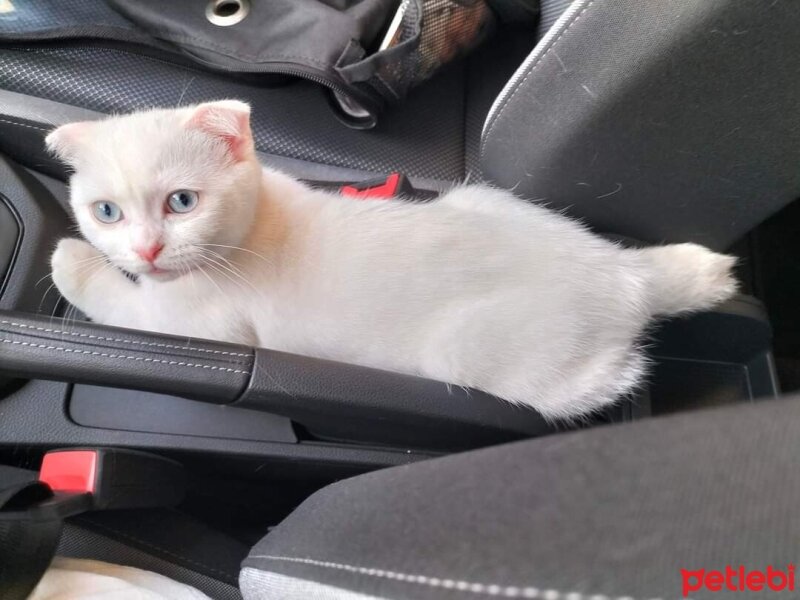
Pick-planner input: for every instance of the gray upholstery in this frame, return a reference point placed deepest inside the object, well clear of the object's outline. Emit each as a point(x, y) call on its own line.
point(607, 513)
point(662, 121)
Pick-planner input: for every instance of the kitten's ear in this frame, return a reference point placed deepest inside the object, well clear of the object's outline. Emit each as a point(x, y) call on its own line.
point(228, 120)
point(65, 141)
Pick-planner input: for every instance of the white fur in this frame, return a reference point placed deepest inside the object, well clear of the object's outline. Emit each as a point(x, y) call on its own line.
point(478, 288)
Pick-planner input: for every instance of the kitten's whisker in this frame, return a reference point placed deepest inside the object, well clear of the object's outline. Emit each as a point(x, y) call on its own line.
point(229, 263)
point(194, 283)
point(190, 270)
point(53, 313)
point(74, 267)
point(70, 317)
point(223, 269)
point(185, 89)
point(219, 271)
point(98, 270)
point(211, 279)
point(90, 258)
point(65, 318)
point(77, 268)
point(81, 265)
point(44, 296)
point(213, 253)
point(185, 269)
point(266, 260)
point(50, 274)
point(235, 281)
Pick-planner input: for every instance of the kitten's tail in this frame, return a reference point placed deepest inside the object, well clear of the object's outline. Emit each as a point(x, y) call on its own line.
point(688, 277)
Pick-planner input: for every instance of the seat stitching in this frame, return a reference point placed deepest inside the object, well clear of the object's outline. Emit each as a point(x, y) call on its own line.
point(490, 589)
point(24, 125)
point(122, 340)
point(123, 357)
point(531, 69)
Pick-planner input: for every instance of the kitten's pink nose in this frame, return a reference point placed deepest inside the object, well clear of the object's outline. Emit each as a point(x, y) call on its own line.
point(150, 253)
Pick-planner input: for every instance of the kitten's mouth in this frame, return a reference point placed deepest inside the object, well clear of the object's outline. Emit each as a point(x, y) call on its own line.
point(160, 274)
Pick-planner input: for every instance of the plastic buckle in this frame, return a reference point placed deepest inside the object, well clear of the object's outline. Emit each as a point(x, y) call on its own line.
point(70, 471)
point(396, 184)
point(72, 482)
point(114, 478)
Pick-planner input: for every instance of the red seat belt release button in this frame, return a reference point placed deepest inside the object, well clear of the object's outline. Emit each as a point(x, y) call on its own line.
point(378, 190)
point(70, 471)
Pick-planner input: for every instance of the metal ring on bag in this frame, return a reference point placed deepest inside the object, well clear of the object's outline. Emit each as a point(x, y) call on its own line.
point(227, 12)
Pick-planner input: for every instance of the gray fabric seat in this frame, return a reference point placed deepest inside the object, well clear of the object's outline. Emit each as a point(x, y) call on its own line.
point(660, 121)
point(601, 514)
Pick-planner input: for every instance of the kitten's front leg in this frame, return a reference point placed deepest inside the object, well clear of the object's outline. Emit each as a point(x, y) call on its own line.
point(87, 280)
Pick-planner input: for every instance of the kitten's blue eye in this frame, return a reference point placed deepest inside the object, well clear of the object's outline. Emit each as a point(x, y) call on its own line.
point(182, 201)
point(106, 212)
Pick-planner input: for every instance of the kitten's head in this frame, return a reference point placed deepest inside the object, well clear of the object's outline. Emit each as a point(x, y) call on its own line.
point(156, 191)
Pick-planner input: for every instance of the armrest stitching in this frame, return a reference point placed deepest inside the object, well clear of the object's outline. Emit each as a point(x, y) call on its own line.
point(121, 340)
point(124, 357)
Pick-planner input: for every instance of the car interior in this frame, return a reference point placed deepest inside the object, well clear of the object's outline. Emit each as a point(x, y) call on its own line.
point(269, 475)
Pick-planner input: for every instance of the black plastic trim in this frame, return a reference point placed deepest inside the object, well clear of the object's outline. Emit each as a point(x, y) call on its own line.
point(41, 222)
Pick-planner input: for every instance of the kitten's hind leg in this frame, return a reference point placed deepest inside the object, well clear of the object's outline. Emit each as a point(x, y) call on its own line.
point(88, 281)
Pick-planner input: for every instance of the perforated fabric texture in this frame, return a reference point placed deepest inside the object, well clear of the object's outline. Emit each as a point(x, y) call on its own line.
point(423, 137)
point(67, 16)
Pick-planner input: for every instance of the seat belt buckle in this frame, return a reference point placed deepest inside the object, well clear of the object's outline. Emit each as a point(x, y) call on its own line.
point(114, 478)
point(71, 482)
point(392, 186)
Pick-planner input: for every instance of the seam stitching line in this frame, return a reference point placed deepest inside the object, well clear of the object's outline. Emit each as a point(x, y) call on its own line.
point(121, 340)
point(532, 68)
point(490, 589)
point(24, 125)
point(123, 357)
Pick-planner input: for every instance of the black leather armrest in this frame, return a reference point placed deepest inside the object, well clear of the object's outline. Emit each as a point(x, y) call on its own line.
point(41, 347)
point(334, 400)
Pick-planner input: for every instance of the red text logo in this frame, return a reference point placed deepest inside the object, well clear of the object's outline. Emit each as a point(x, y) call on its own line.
point(738, 580)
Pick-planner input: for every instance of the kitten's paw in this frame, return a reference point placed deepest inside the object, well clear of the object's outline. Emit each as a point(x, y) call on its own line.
point(73, 262)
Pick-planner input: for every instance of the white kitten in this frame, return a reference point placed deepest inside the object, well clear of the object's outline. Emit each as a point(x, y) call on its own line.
point(478, 288)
